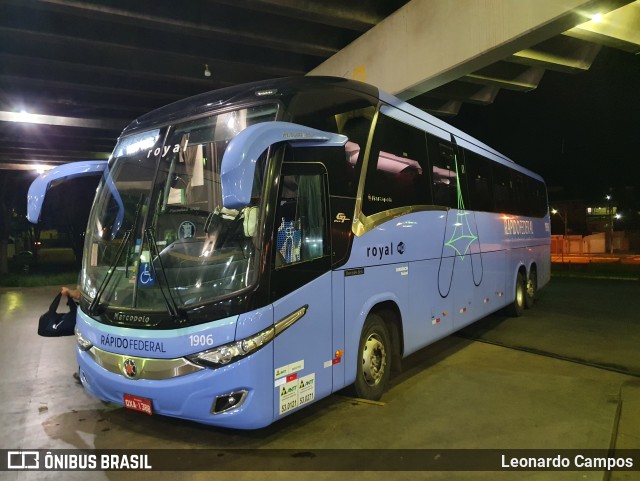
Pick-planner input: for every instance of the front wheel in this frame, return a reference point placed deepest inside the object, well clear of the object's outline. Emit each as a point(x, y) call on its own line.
point(374, 359)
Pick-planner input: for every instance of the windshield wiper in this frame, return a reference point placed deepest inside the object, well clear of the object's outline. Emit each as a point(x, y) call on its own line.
point(174, 311)
point(112, 268)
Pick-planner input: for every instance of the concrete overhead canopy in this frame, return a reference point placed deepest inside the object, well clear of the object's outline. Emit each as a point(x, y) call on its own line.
point(429, 43)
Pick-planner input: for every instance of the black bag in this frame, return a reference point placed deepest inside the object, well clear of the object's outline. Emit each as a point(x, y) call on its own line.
point(53, 324)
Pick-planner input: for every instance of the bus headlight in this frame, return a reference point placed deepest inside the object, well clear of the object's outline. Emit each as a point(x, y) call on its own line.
point(83, 344)
point(222, 355)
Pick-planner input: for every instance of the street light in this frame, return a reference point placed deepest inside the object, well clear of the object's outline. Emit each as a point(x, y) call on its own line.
point(564, 221)
point(610, 217)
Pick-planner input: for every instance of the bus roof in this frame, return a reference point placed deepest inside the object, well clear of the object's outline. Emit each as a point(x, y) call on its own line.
point(217, 99)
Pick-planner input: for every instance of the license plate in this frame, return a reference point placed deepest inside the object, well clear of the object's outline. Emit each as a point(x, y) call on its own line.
point(137, 403)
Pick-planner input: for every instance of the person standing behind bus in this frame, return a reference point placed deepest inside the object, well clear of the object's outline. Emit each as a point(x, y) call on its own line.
point(71, 293)
point(75, 295)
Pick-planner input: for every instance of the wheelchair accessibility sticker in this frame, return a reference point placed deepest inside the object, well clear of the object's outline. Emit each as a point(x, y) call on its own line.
point(146, 278)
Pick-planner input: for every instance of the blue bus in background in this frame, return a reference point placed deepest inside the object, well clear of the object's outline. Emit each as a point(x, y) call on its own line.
point(254, 249)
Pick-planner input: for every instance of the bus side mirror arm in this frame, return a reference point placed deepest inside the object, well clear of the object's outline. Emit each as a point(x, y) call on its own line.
point(242, 153)
point(40, 186)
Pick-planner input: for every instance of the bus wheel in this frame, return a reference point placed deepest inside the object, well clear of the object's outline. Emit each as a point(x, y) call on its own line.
point(374, 359)
point(531, 289)
point(516, 309)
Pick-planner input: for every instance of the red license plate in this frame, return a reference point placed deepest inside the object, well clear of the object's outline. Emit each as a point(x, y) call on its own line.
point(137, 403)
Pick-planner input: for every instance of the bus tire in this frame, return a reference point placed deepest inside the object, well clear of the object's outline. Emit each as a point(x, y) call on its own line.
point(374, 359)
point(516, 308)
point(531, 289)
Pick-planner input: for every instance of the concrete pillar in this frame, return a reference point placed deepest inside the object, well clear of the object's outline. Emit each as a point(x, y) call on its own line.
point(428, 43)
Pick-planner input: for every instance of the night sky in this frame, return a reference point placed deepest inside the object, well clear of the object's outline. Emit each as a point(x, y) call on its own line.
point(581, 132)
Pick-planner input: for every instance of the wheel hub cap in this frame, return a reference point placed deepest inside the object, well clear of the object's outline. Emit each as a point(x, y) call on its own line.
point(374, 360)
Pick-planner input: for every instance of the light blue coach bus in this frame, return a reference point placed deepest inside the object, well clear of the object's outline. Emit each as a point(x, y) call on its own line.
point(254, 249)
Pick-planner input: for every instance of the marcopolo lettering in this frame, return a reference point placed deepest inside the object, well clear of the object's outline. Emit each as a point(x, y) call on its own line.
point(144, 345)
point(518, 227)
point(137, 318)
point(297, 135)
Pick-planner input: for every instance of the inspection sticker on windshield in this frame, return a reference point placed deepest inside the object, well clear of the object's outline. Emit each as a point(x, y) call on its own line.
point(186, 230)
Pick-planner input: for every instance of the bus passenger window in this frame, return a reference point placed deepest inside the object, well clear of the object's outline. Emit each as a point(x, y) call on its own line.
point(300, 220)
point(537, 197)
point(444, 175)
point(395, 174)
point(520, 194)
point(479, 180)
point(502, 188)
point(355, 126)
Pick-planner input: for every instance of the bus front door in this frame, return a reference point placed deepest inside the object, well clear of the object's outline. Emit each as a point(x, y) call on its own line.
point(301, 288)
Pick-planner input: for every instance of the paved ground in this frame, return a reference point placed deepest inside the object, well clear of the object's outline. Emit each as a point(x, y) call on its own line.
point(595, 321)
point(456, 394)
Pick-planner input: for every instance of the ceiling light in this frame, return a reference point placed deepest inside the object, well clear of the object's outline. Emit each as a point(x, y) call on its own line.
point(207, 72)
point(41, 168)
point(597, 18)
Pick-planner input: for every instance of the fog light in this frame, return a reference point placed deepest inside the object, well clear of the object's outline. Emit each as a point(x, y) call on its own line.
point(228, 401)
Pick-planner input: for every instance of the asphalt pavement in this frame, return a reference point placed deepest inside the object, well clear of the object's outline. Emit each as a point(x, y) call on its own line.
point(563, 376)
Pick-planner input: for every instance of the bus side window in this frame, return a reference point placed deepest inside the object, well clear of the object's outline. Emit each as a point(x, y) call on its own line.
point(340, 111)
point(356, 126)
point(537, 197)
point(396, 174)
point(479, 180)
point(502, 188)
point(444, 175)
point(301, 233)
point(520, 194)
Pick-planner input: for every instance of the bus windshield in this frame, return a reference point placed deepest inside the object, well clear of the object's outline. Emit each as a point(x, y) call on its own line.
point(158, 235)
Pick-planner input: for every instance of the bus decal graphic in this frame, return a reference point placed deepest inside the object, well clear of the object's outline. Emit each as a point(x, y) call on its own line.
point(341, 218)
point(379, 252)
point(129, 368)
point(164, 150)
point(462, 236)
point(517, 227)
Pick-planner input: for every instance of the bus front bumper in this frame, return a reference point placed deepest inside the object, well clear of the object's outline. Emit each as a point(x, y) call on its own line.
point(198, 396)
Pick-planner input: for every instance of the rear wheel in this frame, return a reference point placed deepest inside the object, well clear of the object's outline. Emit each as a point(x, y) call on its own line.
point(516, 309)
point(374, 359)
point(531, 289)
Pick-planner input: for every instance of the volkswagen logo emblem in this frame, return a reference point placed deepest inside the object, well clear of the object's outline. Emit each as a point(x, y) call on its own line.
point(129, 368)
